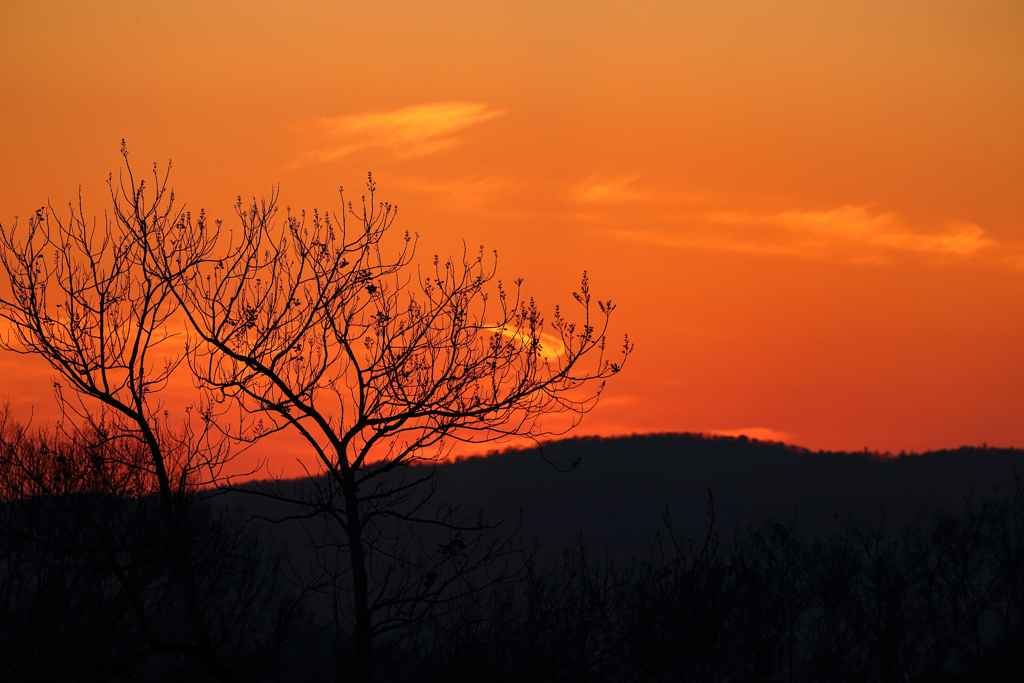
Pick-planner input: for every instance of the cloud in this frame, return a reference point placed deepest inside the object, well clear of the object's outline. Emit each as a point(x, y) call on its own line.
point(609, 190)
point(468, 192)
point(852, 233)
point(857, 226)
point(410, 132)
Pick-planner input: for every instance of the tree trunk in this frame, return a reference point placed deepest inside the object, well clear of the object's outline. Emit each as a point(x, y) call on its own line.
point(210, 661)
point(360, 580)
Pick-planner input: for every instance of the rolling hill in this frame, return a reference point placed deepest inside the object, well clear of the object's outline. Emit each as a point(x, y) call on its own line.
point(617, 494)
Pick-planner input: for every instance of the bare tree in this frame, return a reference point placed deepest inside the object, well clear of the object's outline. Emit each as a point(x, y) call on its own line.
point(81, 299)
point(378, 364)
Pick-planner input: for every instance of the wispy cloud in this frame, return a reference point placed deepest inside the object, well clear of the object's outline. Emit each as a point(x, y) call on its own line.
point(465, 193)
point(619, 189)
point(857, 226)
point(853, 233)
point(414, 131)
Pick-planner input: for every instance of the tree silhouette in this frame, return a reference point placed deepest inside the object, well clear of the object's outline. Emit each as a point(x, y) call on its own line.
point(308, 325)
point(81, 299)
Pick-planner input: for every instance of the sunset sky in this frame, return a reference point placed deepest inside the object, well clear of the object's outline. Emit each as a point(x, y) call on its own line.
point(810, 214)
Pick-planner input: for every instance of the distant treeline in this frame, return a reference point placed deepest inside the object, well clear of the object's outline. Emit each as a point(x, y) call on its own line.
point(933, 593)
point(938, 598)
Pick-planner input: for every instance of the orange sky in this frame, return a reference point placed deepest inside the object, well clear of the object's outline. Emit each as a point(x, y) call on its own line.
point(810, 214)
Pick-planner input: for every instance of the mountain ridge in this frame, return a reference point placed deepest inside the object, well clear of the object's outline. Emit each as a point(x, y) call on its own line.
point(618, 494)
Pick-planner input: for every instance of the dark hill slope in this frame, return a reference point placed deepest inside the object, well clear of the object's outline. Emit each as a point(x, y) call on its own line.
point(617, 494)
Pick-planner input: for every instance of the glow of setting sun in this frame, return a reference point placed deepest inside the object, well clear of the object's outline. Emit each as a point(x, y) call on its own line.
point(808, 214)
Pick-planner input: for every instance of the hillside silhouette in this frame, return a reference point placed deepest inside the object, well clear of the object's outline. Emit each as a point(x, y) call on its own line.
point(616, 496)
point(815, 566)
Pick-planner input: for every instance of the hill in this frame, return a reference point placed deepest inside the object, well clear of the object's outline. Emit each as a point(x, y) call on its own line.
point(617, 494)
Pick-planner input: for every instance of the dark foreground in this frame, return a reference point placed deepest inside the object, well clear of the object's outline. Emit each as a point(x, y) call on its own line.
point(806, 567)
